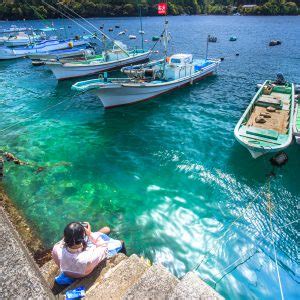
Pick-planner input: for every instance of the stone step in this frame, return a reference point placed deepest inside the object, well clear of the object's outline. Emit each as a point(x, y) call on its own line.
point(91, 281)
point(156, 283)
point(192, 287)
point(119, 279)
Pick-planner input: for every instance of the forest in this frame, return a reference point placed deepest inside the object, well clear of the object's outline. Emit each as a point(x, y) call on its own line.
point(37, 9)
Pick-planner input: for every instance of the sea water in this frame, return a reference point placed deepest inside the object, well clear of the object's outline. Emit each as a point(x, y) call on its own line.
point(166, 175)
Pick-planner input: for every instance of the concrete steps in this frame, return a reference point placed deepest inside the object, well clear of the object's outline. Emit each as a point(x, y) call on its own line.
point(156, 283)
point(192, 287)
point(132, 278)
point(119, 279)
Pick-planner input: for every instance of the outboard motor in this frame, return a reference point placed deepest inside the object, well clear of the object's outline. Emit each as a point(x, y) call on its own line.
point(280, 79)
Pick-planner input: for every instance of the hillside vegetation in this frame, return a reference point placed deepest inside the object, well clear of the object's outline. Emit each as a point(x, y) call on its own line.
point(34, 9)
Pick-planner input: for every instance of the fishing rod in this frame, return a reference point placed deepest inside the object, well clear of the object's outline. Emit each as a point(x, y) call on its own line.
point(66, 16)
point(102, 32)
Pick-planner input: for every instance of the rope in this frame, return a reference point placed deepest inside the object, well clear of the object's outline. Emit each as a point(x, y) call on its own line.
point(227, 230)
point(38, 113)
point(273, 240)
point(253, 247)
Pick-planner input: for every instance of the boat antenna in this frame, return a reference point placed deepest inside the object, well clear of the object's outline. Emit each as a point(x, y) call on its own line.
point(206, 52)
point(141, 22)
point(92, 25)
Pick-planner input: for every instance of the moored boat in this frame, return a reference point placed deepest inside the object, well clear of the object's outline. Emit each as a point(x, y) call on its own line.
point(149, 80)
point(47, 45)
point(108, 60)
point(22, 39)
point(63, 53)
point(267, 124)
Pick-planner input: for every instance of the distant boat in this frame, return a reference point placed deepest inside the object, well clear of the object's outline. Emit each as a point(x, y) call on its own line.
point(232, 38)
point(155, 38)
point(132, 37)
point(21, 39)
point(108, 60)
point(149, 80)
point(122, 33)
point(267, 124)
point(42, 47)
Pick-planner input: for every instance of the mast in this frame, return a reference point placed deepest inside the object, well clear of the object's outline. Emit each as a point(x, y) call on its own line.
point(206, 53)
point(141, 24)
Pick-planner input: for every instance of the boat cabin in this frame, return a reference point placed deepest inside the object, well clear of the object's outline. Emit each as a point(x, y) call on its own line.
point(180, 59)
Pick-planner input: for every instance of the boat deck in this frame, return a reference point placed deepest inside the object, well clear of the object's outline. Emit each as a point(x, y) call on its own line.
point(279, 120)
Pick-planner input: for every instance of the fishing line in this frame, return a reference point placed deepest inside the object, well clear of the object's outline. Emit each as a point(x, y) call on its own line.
point(66, 16)
point(102, 32)
point(38, 113)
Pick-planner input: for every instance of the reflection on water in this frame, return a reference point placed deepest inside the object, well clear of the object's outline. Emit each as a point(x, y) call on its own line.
point(167, 174)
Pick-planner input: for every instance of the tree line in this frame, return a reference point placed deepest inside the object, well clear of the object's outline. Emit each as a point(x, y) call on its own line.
point(36, 9)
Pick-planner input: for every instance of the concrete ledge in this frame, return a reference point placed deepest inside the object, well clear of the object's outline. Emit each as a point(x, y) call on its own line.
point(20, 277)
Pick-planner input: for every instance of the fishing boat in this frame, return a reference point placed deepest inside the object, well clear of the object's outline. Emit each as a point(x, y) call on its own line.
point(22, 39)
point(64, 53)
point(112, 59)
point(42, 47)
point(149, 80)
point(267, 124)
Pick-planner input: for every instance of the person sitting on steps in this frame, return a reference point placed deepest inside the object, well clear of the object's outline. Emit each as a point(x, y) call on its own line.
point(81, 251)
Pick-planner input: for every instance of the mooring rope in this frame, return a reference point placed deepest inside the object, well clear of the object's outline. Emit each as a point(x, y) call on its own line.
point(273, 240)
point(38, 113)
point(208, 252)
point(249, 256)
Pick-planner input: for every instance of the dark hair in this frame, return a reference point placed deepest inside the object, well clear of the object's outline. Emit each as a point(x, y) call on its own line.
point(74, 234)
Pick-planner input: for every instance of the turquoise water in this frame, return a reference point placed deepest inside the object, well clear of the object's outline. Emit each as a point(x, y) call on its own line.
point(167, 175)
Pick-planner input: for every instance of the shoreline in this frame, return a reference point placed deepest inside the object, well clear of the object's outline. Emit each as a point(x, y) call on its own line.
point(153, 16)
point(34, 244)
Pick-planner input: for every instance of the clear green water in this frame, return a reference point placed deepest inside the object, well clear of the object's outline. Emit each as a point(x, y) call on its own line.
point(167, 175)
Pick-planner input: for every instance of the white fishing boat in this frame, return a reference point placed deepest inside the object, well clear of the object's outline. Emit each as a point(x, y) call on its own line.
point(150, 80)
point(3, 39)
point(107, 61)
point(44, 46)
point(22, 39)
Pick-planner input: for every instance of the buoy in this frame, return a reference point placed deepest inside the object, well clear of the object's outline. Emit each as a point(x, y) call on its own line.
point(279, 160)
point(117, 26)
point(237, 54)
point(110, 29)
point(70, 44)
point(232, 38)
point(274, 43)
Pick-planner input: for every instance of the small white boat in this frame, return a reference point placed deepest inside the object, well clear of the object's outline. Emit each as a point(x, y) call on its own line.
point(121, 33)
point(132, 37)
point(108, 60)
point(47, 45)
point(149, 80)
point(21, 39)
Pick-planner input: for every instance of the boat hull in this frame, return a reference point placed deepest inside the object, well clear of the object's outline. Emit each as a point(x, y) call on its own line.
point(65, 71)
point(8, 53)
point(125, 94)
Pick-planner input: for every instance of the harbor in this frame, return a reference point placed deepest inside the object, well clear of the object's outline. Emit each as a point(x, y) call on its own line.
point(167, 174)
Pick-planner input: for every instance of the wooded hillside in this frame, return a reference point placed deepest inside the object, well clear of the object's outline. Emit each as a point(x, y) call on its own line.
point(34, 9)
